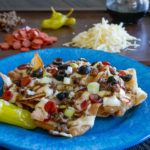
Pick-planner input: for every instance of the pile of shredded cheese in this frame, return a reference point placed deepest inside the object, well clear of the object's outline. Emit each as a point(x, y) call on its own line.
point(107, 37)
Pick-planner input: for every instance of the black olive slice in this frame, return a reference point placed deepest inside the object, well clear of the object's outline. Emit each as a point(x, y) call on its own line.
point(62, 95)
point(84, 70)
point(37, 73)
point(126, 78)
point(57, 61)
point(112, 80)
point(60, 74)
point(63, 67)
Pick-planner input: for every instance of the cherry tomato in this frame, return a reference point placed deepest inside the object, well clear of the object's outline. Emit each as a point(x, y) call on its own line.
point(122, 73)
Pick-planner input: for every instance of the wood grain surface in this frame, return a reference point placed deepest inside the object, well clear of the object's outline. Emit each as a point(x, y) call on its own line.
point(36, 5)
point(85, 19)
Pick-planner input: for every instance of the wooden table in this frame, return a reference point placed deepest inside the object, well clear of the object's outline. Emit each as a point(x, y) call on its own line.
point(85, 19)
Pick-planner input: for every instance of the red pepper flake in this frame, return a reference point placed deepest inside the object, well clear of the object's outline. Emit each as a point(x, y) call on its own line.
point(50, 107)
point(122, 73)
point(84, 104)
point(22, 67)
point(25, 81)
point(106, 63)
point(7, 95)
point(94, 98)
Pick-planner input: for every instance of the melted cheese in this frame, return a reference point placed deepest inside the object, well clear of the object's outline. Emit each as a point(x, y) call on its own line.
point(84, 120)
point(46, 90)
point(111, 101)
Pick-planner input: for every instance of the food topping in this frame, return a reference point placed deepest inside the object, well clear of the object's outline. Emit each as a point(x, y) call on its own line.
point(69, 112)
point(22, 67)
point(126, 78)
point(26, 39)
point(9, 20)
point(50, 107)
point(7, 95)
point(25, 81)
point(37, 73)
point(107, 37)
point(57, 61)
point(112, 80)
point(106, 63)
point(84, 70)
point(57, 20)
point(60, 74)
point(93, 87)
point(62, 95)
point(94, 98)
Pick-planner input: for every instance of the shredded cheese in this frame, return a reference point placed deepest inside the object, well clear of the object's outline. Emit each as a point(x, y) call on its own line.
point(107, 37)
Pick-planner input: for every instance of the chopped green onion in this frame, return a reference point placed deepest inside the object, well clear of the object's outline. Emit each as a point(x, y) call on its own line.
point(69, 112)
point(93, 87)
point(62, 106)
point(46, 74)
point(74, 66)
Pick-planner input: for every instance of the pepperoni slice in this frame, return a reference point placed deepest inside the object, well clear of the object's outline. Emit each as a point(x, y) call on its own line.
point(36, 46)
point(4, 46)
point(9, 38)
point(84, 104)
point(26, 43)
point(37, 42)
point(22, 67)
point(43, 35)
point(7, 95)
point(22, 32)
point(50, 107)
point(106, 63)
point(17, 45)
point(25, 81)
point(94, 98)
point(24, 49)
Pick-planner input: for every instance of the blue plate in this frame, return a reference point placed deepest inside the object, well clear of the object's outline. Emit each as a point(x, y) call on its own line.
point(107, 133)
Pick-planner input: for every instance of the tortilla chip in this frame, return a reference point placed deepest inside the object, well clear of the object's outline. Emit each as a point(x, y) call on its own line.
point(7, 81)
point(37, 62)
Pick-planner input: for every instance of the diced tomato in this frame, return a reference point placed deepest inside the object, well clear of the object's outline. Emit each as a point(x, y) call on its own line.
point(122, 73)
point(50, 107)
point(25, 81)
point(22, 67)
point(7, 95)
point(94, 98)
point(106, 63)
point(48, 119)
point(84, 104)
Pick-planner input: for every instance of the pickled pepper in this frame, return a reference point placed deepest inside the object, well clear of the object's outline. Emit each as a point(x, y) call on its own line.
point(57, 20)
point(11, 114)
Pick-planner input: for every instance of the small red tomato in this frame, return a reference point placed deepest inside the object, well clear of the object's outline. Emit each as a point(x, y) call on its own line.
point(94, 98)
point(7, 95)
point(84, 104)
point(106, 63)
point(25, 81)
point(22, 67)
point(50, 107)
point(122, 73)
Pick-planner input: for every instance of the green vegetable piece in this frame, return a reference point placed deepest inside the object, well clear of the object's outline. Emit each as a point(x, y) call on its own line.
point(69, 112)
point(46, 74)
point(70, 21)
point(62, 106)
point(11, 114)
point(56, 20)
